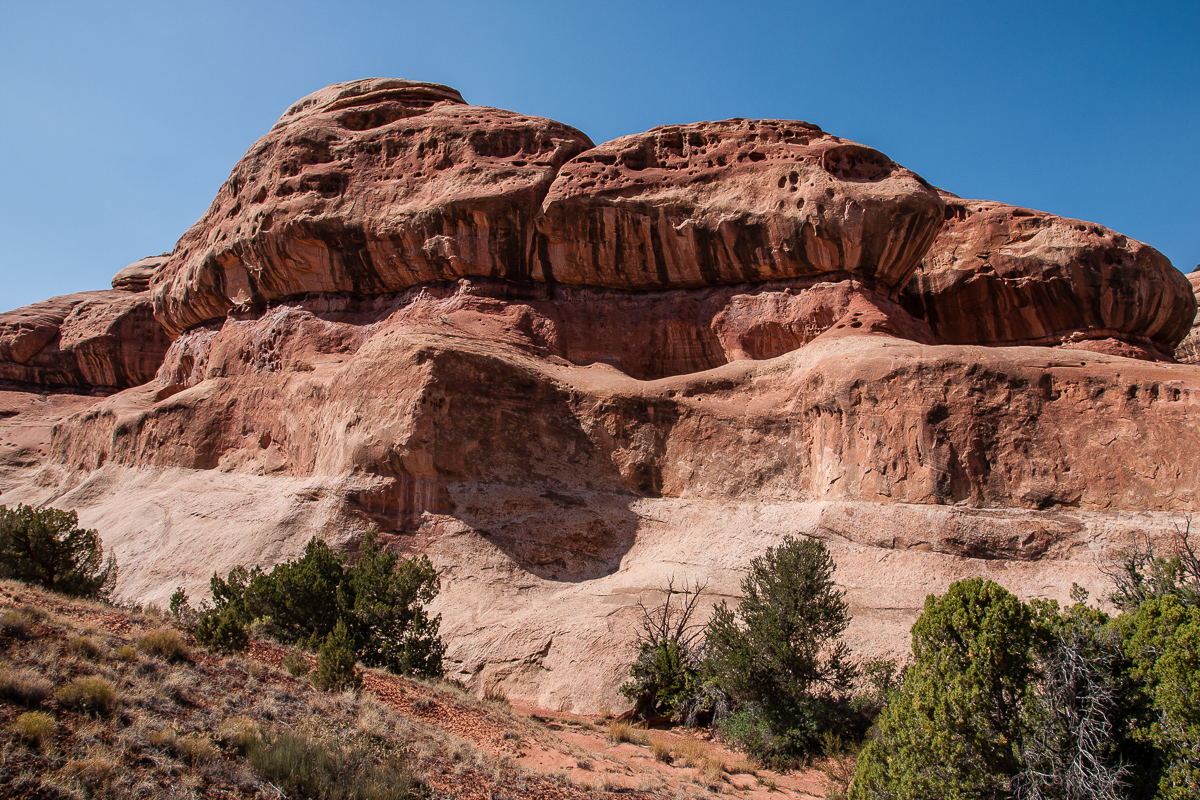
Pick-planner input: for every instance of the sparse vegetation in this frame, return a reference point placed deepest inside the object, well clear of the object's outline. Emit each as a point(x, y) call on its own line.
point(89, 694)
point(308, 767)
point(24, 686)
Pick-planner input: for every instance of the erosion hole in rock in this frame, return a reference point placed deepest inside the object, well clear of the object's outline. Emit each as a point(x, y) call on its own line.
point(853, 162)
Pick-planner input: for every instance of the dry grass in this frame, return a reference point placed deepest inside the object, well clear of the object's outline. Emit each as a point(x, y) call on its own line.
point(164, 643)
point(24, 686)
point(89, 694)
point(84, 647)
point(35, 727)
point(661, 749)
point(619, 731)
point(127, 653)
point(690, 752)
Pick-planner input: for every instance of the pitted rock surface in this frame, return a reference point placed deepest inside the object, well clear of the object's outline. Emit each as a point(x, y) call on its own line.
point(999, 274)
point(369, 188)
point(732, 202)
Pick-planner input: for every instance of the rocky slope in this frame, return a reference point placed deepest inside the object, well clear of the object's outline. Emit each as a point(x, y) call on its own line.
point(568, 372)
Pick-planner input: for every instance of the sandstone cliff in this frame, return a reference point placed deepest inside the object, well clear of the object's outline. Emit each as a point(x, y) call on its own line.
point(568, 372)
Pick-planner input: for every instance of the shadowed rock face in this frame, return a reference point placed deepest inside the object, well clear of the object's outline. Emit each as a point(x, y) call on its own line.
point(999, 274)
point(570, 372)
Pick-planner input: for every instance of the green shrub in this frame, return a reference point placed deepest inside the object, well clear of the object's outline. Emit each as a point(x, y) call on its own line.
point(380, 601)
point(305, 767)
point(35, 727)
point(296, 665)
point(781, 657)
point(24, 686)
point(165, 643)
point(335, 664)
point(47, 547)
point(665, 679)
point(223, 630)
point(89, 694)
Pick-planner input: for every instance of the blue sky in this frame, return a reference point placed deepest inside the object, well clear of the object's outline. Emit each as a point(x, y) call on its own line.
point(119, 120)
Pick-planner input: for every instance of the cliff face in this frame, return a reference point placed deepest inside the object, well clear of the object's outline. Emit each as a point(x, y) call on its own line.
point(568, 372)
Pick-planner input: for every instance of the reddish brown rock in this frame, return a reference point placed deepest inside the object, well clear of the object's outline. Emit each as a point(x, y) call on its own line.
point(999, 274)
point(733, 202)
point(102, 340)
point(137, 276)
point(1188, 351)
point(368, 187)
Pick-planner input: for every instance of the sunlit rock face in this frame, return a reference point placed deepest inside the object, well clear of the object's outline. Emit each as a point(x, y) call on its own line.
point(999, 274)
point(1188, 351)
point(569, 372)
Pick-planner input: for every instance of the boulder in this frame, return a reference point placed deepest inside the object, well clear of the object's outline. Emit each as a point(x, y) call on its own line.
point(137, 276)
point(999, 274)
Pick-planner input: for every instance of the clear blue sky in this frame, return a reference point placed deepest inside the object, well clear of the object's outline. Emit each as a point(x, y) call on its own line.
point(119, 120)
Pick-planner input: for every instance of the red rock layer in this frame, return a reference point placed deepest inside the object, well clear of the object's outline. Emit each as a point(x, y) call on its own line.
point(369, 187)
point(999, 274)
point(733, 202)
point(103, 340)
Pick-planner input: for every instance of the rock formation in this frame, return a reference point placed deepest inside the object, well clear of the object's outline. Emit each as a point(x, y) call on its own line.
point(999, 274)
point(1188, 351)
point(567, 372)
point(105, 340)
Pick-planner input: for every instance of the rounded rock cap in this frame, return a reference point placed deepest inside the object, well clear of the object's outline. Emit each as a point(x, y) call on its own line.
point(369, 91)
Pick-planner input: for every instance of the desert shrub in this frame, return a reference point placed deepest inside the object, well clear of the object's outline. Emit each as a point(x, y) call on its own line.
point(84, 647)
point(391, 626)
point(16, 622)
point(24, 686)
point(954, 729)
point(89, 694)
point(307, 767)
point(239, 733)
point(181, 611)
point(46, 546)
point(780, 657)
point(660, 748)
point(127, 653)
point(664, 678)
point(335, 663)
point(35, 727)
point(380, 601)
point(165, 643)
point(222, 629)
point(296, 665)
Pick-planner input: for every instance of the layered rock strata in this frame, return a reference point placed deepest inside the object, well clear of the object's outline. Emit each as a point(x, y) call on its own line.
point(569, 372)
point(999, 274)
